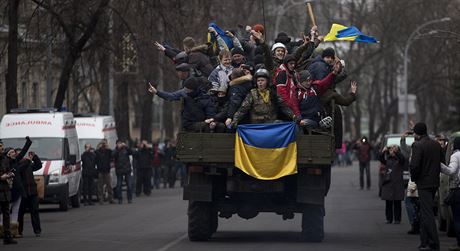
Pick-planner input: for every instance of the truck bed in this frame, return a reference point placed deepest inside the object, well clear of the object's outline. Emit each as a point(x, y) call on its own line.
point(219, 148)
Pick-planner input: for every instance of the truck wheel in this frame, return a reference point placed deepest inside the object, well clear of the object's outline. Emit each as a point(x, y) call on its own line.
point(199, 221)
point(75, 200)
point(450, 228)
point(64, 202)
point(214, 220)
point(313, 223)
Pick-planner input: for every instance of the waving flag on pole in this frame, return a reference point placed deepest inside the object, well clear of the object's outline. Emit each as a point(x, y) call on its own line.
point(266, 151)
point(212, 39)
point(342, 33)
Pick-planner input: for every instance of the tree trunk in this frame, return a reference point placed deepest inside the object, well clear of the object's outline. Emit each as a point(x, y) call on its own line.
point(11, 77)
point(105, 84)
point(64, 79)
point(121, 110)
point(147, 112)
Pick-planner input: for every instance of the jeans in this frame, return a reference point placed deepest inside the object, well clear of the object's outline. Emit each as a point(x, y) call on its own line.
point(143, 181)
point(104, 179)
point(428, 231)
point(456, 214)
point(413, 210)
point(88, 187)
point(364, 166)
point(30, 202)
point(393, 210)
point(128, 180)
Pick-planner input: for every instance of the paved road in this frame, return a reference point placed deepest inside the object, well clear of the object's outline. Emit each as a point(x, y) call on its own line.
point(355, 221)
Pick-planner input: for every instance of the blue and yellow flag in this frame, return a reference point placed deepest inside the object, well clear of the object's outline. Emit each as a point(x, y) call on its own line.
point(342, 33)
point(266, 151)
point(213, 40)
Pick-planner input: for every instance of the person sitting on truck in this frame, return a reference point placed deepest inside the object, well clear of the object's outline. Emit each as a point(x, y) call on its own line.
point(221, 103)
point(219, 76)
point(309, 93)
point(197, 108)
point(240, 85)
point(263, 104)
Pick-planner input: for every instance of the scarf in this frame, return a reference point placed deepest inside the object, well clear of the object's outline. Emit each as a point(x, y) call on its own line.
point(265, 94)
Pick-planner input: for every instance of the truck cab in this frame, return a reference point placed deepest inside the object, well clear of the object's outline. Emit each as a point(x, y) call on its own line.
point(55, 141)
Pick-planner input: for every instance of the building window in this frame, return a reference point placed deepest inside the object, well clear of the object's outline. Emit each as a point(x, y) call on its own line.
point(35, 95)
point(24, 95)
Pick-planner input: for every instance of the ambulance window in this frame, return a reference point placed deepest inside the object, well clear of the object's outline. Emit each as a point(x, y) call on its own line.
point(66, 149)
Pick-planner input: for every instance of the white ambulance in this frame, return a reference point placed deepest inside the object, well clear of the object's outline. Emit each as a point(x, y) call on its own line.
point(55, 141)
point(92, 129)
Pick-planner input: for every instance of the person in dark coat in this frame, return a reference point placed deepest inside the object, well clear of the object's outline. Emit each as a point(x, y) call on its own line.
point(393, 184)
point(322, 64)
point(144, 171)
point(89, 173)
point(240, 85)
point(364, 150)
point(103, 163)
point(7, 168)
point(26, 169)
point(425, 169)
point(123, 170)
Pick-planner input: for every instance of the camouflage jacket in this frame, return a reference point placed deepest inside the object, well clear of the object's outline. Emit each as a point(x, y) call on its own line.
point(261, 112)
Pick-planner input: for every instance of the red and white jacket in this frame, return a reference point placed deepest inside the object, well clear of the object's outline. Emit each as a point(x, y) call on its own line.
point(288, 89)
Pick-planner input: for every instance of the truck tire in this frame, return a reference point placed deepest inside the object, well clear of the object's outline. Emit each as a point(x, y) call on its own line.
point(214, 220)
point(450, 228)
point(313, 223)
point(75, 200)
point(64, 202)
point(199, 221)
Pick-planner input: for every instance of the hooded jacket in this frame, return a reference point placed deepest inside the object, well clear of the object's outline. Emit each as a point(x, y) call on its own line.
point(237, 92)
point(319, 69)
point(286, 86)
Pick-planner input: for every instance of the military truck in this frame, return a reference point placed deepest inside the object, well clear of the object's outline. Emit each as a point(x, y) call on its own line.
point(216, 188)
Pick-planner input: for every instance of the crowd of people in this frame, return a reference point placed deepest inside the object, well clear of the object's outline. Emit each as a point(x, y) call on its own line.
point(247, 82)
point(151, 165)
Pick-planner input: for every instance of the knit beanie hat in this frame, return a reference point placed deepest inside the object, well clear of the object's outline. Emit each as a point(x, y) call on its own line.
point(288, 59)
point(259, 28)
point(191, 83)
point(238, 50)
point(420, 128)
point(282, 38)
point(304, 75)
point(328, 52)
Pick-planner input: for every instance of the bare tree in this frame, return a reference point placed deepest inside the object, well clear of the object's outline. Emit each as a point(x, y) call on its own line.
point(12, 74)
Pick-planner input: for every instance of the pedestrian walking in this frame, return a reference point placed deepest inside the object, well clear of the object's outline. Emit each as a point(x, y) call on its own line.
point(364, 150)
point(89, 172)
point(103, 161)
point(123, 170)
point(144, 171)
point(393, 184)
point(453, 170)
point(29, 201)
point(425, 169)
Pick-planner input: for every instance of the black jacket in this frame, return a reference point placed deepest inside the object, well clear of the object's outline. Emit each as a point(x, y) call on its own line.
point(122, 161)
point(103, 160)
point(197, 108)
point(88, 160)
point(239, 89)
point(319, 69)
point(26, 169)
point(144, 158)
point(425, 163)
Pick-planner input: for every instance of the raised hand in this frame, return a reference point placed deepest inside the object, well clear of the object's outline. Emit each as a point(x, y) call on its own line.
point(337, 68)
point(152, 89)
point(159, 46)
point(354, 87)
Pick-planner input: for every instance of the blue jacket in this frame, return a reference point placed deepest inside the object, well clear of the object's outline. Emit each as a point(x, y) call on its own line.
point(319, 69)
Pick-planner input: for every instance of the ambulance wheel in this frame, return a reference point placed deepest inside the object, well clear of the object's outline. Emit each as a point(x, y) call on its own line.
point(199, 221)
point(75, 200)
point(64, 202)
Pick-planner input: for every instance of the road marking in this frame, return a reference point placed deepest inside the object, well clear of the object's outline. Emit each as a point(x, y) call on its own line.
point(172, 243)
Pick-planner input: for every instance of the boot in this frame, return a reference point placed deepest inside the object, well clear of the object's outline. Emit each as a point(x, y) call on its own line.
point(8, 239)
point(14, 229)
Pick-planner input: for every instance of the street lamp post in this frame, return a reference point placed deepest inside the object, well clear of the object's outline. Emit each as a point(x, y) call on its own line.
point(406, 56)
